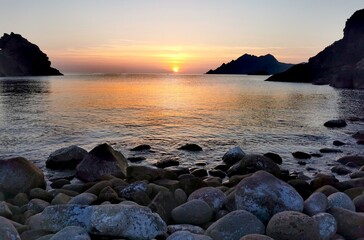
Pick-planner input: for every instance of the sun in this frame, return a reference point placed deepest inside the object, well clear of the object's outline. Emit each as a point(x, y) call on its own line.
point(175, 69)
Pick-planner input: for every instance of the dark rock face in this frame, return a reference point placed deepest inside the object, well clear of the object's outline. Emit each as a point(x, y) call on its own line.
point(252, 65)
point(19, 57)
point(341, 64)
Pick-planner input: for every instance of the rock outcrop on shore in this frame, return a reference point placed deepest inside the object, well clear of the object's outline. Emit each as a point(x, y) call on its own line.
point(341, 64)
point(19, 57)
point(252, 65)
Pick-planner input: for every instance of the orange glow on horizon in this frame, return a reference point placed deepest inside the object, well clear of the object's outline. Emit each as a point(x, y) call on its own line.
point(175, 69)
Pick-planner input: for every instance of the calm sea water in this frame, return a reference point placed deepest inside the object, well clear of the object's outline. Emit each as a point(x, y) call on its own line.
point(39, 115)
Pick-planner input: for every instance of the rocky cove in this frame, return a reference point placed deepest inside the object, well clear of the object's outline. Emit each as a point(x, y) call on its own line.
point(247, 196)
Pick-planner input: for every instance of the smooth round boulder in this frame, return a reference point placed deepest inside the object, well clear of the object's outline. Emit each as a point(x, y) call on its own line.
point(214, 197)
point(18, 175)
point(233, 156)
point(235, 225)
point(101, 160)
point(353, 159)
point(7, 230)
point(291, 225)
point(186, 235)
point(316, 203)
point(252, 163)
point(195, 212)
point(274, 157)
point(265, 195)
point(340, 199)
point(83, 199)
point(71, 233)
point(68, 157)
point(359, 203)
point(327, 225)
point(256, 237)
point(349, 224)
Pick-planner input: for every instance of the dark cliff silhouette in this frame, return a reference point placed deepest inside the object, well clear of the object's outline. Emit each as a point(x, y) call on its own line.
point(341, 64)
point(19, 57)
point(252, 65)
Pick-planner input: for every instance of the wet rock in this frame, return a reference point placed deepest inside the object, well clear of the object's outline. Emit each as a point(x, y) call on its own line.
point(108, 194)
point(290, 225)
point(83, 199)
point(20, 199)
point(186, 235)
point(338, 143)
point(327, 190)
point(163, 204)
point(339, 123)
point(177, 170)
point(252, 163)
point(301, 186)
point(330, 150)
point(96, 188)
point(217, 173)
point(357, 160)
point(33, 234)
point(256, 237)
point(349, 224)
point(137, 173)
point(327, 225)
point(133, 188)
point(233, 156)
point(274, 157)
point(136, 159)
point(166, 163)
point(191, 147)
point(222, 167)
point(5, 210)
point(185, 227)
point(142, 147)
point(301, 155)
point(354, 192)
point(265, 195)
point(37, 205)
point(59, 183)
point(7, 230)
point(322, 180)
point(19, 175)
point(316, 203)
point(359, 135)
point(180, 196)
point(168, 183)
point(214, 197)
point(341, 200)
point(188, 185)
point(60, 198)
point(359, 203)
point(195, 212)
point(71, 233)
point(235, 225)
point(66, 158)
point(199, 172)
point(340, 170)
point(100, 161)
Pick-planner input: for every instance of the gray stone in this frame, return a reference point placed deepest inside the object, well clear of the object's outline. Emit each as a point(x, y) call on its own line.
point(163, 204)
point(195, 212)
point(186, 235)
point(341, 200)
point(235, 225)
point(40, 193)
point(233, 156)
point(214, 197)
point(327, 225)
point(185, 227)
point(265, 195)
point(83, 199)
point(349, 224)
point(67, 157)
point(7, 230)
point(291, 225)
point(37, 205)
point(252, 163)
point(71, 233)
point(5, 210)
point(180, 196)
point(256, 237)
point(18, 175)
point(60, 198)
point(130, 190)
point(316, 203)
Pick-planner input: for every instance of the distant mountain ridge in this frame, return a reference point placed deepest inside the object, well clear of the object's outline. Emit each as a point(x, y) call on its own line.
point(19, 57)
point(341, 64)
point(252, 65)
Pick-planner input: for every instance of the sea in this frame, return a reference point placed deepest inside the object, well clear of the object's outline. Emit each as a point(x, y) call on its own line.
point(39, 115)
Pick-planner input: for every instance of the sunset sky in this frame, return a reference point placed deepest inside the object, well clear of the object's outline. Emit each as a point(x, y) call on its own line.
point(189, 36)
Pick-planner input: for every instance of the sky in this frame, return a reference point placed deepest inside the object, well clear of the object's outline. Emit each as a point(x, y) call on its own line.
point(189, 36)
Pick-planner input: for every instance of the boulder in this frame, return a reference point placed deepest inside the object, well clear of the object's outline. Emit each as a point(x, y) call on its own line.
point(327, 190)
point(186, 235)
point(359, 203)
point(40, 194)
point(340, 199)
point(265, 195)
point(166, 163)
point(142, 147)
point(327, 225)
point(340, 170)
point(301, 155)
point(289, 225)
point(68, 157)
point(357, 160)
point(235, 225)
point(256, 237)
point(349, 224)
point(233, 156)
point(185, 227)
point(189, 185)
point(252, 163)
point(163, 204)
point(5, 210)
point(195, 212)
point(71, 233)
point(7, 230)
point(339, 123)
point(274, 157)
point(19, 175)
point(214, 197)
point(137, 173)
point(316, 203)
point(338, 143)
point(100, 161)
point(83, 199)
point(190, 147)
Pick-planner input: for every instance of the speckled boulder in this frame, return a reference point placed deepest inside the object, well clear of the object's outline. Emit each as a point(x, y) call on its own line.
point(186, 235)
point(214, 197)
point(349, 224)
point(233, 155)
point(18, 175)
point(71, 233)
point(316, 203)
point(291, 225)
point(185, 227)
point(195, 212)
point(265, 195)
point(327, 225)
point(341, 200)
point(7, 230)
point(235, 225)
point(67, 157)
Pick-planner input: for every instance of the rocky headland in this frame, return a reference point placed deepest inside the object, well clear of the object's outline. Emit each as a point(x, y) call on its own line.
point(247, 196)
point(19, 57)
point(252, 65)
point(341, 64)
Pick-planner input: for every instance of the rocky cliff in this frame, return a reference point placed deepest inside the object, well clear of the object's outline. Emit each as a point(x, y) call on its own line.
point(19, 57)
point(252, 65)
point(341, 64)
